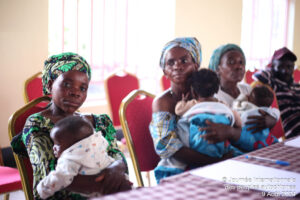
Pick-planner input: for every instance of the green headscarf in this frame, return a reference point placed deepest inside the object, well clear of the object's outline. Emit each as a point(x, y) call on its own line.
point(60, 63)
point(219, 52)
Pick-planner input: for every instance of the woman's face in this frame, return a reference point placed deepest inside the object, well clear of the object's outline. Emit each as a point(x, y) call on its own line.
point(283, 70)
point(232, 66)
point(178, 65)
point(69, 90)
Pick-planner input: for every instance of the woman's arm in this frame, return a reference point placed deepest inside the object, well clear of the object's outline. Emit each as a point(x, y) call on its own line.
point(110, 180)
point(220, 132)
point(196, 159)
point(36, 139)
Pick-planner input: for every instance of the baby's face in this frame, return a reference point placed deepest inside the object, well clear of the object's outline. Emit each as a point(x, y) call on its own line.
point(252, 98)
point(59, 143)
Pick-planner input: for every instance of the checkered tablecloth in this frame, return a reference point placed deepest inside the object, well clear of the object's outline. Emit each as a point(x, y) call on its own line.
point(278, 151)
point(186, 186)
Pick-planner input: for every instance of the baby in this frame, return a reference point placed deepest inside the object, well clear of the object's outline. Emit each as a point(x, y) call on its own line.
point(260, 98)
point(79, 151)
point(204, 84)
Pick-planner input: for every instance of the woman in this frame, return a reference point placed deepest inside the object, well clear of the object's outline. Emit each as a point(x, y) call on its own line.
point(180, 57)
point(229, 62)
point(66, 77)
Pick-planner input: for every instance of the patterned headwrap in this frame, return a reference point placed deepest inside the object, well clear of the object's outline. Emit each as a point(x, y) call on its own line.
point(191, 44)
point(219, 52)
point(58, 64)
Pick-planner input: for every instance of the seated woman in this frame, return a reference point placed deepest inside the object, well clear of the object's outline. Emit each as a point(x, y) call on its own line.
point(66, 77)
point(180, 58)
point(229, 62)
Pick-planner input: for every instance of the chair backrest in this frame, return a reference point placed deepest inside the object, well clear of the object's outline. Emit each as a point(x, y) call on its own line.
point(297, 75)
point(33, 88)
point(15, 126)
point(165, 83)
point(277, 130)
point(248, 76)
point(117, 86)
point(135, 117)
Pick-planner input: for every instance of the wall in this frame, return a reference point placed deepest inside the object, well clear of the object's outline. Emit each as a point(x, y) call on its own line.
point(213, 22)
point(23, 48)
point(296, 43)
point(217, 22)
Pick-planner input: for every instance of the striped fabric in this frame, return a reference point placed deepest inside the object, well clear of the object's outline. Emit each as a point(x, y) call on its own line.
point(288, 97)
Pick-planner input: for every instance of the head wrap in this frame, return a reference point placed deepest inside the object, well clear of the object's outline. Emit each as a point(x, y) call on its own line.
point(191, 44)
point(282, 53)
point(219, 52)
point(58, 64)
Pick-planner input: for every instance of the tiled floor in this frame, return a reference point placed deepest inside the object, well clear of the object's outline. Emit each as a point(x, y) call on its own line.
point(19, 195)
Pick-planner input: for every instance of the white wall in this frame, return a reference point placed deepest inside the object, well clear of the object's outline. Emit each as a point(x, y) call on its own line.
point(213, 22)
point(23, 48)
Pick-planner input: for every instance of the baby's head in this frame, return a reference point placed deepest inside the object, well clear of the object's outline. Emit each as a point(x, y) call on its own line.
point(261, 96)
point(204, 83)
point(68, 131)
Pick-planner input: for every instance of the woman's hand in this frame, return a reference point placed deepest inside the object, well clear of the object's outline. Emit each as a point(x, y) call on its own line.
point(216, 132)
point(113, 179)
point(260, 122)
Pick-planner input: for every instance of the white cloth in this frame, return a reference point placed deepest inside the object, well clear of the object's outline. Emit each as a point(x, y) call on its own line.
point(86, 157)
point(246, 109)
point(245, 89)
point(254, 111)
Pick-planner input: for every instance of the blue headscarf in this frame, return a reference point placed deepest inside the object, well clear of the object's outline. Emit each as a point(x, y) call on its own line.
point(219, 52)
point(191, 44)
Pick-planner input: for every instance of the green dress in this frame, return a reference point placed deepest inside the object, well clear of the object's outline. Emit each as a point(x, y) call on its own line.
point(39, 146)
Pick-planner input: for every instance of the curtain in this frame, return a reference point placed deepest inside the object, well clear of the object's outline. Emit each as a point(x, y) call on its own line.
point(113, 34)
point(265, 26)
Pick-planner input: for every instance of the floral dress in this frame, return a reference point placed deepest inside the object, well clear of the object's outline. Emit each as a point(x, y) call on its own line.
point(39, 146)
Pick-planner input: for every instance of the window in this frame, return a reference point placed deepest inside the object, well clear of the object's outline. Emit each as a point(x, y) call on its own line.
point(113, 34)
point(266, 26)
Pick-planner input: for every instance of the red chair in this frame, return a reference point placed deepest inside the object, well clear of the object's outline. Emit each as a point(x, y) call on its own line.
point(297, 75)
point(165, 83)
point(277, 130)
point(135, 116)
point(248, 76)
point(117, 86)
point(15, 126)
point(10, 179)
point(33, 87)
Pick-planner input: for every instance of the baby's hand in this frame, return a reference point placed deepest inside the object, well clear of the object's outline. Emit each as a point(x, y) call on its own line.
point(185, 96)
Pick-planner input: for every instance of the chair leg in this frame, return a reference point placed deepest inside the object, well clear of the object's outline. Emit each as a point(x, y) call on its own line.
point(6, 196)
point(148, 177)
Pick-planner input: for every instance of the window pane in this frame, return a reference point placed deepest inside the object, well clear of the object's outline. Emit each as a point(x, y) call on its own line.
point(113, 34)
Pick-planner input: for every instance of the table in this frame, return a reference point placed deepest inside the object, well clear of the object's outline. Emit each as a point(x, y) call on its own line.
point(187, 186)
point(278, 151)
